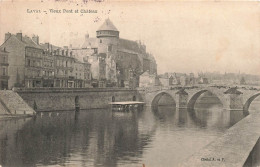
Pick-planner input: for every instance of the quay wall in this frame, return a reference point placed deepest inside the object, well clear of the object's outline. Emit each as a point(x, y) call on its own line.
point(54, 99)
point(239, 146)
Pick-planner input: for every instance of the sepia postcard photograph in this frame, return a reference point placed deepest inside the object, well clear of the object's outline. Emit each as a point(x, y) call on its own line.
point(120, 83)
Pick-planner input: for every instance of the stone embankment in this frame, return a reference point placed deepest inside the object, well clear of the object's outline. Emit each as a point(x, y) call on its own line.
point(239, 146)
point(12, 105)
point(59, 99)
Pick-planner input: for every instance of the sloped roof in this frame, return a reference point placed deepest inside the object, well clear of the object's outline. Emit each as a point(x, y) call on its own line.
point(125, 44)
point(26, 41)
point(107, 25)
point(46, 46)
point(93, 42)
point(29, 42)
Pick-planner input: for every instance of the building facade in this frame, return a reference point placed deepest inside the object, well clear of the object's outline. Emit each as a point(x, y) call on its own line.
point(26, 63)
point(4, 69)
point(24, 59)
point(148, 80)
point(64, 64)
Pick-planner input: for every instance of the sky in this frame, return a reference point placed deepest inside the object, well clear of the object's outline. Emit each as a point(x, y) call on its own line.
point(187, 36)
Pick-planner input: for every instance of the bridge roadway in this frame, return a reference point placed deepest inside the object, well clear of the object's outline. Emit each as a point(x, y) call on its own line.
point(232, 98)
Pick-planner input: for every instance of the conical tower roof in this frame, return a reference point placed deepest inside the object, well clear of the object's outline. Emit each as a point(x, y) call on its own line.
point(107, 25)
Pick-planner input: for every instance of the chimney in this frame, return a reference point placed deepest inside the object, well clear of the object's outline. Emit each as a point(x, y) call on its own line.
point(35, 39)
point(48, 46)
point(86, 36)
point(19, 36)
point(7, 35)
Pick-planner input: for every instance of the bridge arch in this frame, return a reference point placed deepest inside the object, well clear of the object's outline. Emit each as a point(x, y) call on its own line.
point(195, 96)
point(249, 101)
point(157, 97)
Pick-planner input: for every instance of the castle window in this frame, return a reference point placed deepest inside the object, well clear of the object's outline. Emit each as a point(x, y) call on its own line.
point(110, 48)
point(100, 41)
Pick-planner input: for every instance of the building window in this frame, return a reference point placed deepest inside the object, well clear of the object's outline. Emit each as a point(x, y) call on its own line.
point(38, 73)
point(4, 59)
point(4, 71)
point(100, 41)
point(28, 62)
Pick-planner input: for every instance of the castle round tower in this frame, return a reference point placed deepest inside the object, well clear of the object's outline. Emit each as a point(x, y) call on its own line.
point(108, 38)
point(107, 29)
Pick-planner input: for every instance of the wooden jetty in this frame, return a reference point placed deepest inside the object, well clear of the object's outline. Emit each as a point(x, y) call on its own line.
point(126, 105)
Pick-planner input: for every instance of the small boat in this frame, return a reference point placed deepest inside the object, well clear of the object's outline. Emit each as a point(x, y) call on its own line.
point(126, 105)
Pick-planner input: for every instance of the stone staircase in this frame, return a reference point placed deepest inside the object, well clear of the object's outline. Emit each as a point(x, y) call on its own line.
point(12, 103)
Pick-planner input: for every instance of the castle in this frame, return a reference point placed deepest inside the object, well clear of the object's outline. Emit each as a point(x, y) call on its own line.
point(115, 61)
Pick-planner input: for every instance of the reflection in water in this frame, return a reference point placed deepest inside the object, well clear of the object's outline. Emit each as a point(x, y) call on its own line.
point(161, 136)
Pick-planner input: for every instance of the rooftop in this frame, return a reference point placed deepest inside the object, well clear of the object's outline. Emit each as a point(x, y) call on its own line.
point(107, 25)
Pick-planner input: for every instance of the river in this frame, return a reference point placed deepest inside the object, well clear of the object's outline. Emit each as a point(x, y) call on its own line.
point(162, 136)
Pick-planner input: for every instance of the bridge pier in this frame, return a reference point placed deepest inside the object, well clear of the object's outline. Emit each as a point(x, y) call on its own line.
point(181, 99)
point(234, 99)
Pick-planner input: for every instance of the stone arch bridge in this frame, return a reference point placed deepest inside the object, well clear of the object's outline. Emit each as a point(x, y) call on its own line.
point(233, 98)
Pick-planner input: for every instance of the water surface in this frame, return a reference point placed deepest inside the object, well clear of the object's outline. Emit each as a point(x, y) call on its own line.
point(161, 136)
